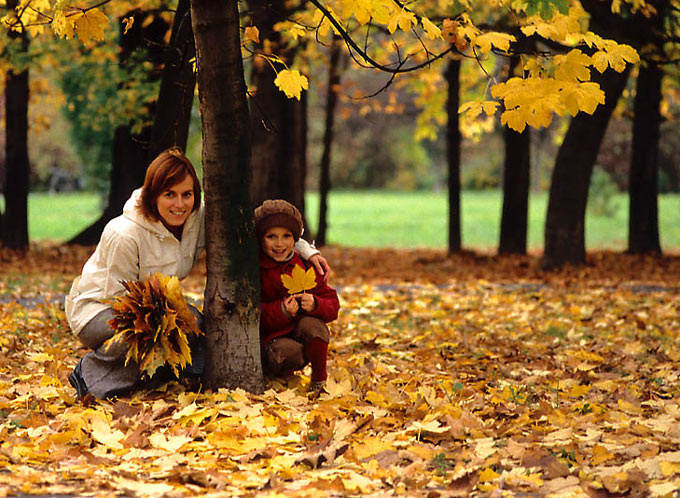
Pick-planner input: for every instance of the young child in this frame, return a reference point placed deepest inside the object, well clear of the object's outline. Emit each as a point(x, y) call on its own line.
point(293, 328)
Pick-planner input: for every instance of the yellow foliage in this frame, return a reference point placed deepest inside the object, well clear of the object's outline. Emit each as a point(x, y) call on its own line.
point(403, 20)
point(251, 33)
point(492, 39)
point(433, 32)
point(573, 66)
point(91, 26)
point(153, 320)
point(291, 83)
point(299, 280)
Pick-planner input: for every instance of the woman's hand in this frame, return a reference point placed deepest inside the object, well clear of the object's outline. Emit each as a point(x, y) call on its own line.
point(307, 301)
point(290, 304)
point(321, 266)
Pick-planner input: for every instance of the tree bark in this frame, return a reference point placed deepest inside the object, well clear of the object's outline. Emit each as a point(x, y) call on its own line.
point(453, 154)
point(325, 166)
point(15, 218)
point(643, 220)
point(232, 289)
point(516, 173)
point(565, 223)
point(278, 124)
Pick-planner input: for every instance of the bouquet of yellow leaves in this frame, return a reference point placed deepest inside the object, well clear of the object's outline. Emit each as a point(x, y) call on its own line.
point(155, 322)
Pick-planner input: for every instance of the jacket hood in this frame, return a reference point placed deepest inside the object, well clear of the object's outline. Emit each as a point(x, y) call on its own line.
point(132, 213)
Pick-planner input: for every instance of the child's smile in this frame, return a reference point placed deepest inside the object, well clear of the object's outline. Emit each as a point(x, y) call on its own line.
point(278, 243)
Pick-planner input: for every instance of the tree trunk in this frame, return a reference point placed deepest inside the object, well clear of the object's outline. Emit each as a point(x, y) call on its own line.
point(176, 95)
point(453, 153)
point(565, 223)
point(516, 172)
point(232, 289)
point(128, 167)
point(278, 124)
point(643, 220)
point(325, 166)
point(15, 218)
point(132, 153)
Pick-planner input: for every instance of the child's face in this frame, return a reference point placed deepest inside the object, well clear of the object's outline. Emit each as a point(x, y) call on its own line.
point(278, 243)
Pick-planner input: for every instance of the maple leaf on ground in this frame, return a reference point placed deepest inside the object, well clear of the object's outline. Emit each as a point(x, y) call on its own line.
point(300, 280)
point(155, 322)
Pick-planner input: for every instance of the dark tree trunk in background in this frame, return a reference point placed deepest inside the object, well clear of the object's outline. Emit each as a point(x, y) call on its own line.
point(453, 154)
point(278, 124)
point(130, 156)
point(516, 173)
point(325, 166)
point(232, 290)
point(643, 221)
point(3, 151)
point(127, 174)
point(565, 223)
point(176, 95)
point(15, 219)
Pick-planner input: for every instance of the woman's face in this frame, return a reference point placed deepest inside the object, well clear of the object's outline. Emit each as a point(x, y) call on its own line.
point(175, 204)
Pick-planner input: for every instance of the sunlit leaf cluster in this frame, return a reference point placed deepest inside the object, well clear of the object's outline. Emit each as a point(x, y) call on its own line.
point(153, 319)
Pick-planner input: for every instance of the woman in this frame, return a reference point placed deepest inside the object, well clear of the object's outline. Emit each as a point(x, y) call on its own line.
point(161, 230)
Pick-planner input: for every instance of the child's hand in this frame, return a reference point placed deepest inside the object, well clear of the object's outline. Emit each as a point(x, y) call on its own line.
point(307, 301)
point(291, 305)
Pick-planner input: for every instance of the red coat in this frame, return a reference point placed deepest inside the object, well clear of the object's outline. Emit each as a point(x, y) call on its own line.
point(274, 322)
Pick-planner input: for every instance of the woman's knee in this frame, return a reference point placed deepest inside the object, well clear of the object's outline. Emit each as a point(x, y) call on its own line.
point(97, 331)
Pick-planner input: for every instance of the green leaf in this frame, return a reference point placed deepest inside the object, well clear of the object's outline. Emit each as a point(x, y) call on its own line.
point(546, 8)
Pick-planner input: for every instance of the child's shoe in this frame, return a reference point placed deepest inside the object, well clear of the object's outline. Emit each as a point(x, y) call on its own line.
point(315, 389)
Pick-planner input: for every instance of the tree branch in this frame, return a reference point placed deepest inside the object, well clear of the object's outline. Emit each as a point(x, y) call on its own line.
point(364, 55)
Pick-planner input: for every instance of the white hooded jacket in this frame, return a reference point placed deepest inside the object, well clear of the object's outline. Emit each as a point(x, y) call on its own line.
point(132, 247)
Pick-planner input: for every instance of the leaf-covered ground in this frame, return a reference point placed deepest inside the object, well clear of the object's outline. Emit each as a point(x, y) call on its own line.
point(472, 375)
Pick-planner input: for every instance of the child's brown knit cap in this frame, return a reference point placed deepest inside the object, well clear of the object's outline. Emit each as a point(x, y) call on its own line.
point(277, 213)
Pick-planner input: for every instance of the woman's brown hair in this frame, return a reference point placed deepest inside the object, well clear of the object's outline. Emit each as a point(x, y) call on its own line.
point(168, 169)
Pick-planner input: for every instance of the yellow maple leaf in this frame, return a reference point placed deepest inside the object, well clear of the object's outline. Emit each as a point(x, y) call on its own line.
point(103, 433)
point(615, 55)
point(251, 33)
point(300, 280)
point(487, 41)
point(62, 25)
point(432, 31)
point(370, 446)
point(488, 475)
point(403, 20)
point(573, 66)
point(291, 83)
point(91, 26)
point(669, 468)
point(600, 455)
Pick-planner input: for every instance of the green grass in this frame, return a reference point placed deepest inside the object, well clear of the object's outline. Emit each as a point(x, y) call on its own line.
point(60, 216)
point(389, 219)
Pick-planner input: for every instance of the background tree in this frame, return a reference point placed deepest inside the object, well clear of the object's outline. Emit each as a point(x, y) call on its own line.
point(516, 172)
point(329, 123)
point(565, 220)
point(14, 233)
point(140, 42)
point(278, 123)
